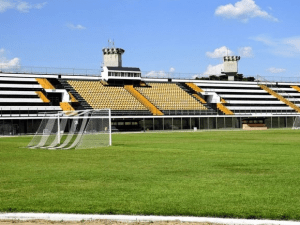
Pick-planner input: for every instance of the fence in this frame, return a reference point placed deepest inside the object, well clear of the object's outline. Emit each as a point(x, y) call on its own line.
point(50, 70)
point(145, 74)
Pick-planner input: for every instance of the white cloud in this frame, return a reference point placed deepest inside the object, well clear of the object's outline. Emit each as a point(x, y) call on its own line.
point(40, 5)
point(294, 42)
point(172, 70)
point(196, 76)
point(76, 27)
point(288, 47)
point(214, 70)
point(243, 10)
point(6, 63)
point(276, 70)
point(246, 52)
point(19, 5)
point(219, 52)
point(4, 5)
point(23, 7)
point(264, 39)
point(157, 74)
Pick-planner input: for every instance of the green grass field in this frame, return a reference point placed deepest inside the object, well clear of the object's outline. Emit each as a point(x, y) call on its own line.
point(236, 174)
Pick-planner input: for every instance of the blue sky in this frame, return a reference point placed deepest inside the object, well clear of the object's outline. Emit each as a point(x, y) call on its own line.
point(182, 36)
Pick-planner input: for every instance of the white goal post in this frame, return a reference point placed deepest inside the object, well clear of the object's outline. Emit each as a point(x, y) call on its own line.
point(74, 129)
point(296, 124)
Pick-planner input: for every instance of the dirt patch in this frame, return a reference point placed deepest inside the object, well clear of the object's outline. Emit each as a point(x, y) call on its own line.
point(97, 222)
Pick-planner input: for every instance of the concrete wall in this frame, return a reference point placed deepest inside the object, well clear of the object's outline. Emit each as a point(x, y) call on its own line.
point(112, 56)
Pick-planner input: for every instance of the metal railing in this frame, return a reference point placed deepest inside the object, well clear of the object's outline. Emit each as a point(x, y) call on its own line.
point(50, 70)
point(170, 75)
point(145, 74)
point(198, 76)
point(295, 79)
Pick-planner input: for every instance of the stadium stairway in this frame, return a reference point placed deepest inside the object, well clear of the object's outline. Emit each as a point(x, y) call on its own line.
point(66, 106)
point(281, 98)
point(154, 110)
point(224, 109)
point(42, 96)
point(53, 85)
point(82, 104)
point(199, 98)
point(195, 92)
point(194, 87)
point(73, 99)
point(45, 83)
point(296, 88)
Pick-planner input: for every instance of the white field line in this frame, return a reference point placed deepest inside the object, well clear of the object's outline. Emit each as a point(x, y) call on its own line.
point(126, 218)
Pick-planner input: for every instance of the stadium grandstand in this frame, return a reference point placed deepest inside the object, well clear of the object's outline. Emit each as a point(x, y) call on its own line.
point(140, 103)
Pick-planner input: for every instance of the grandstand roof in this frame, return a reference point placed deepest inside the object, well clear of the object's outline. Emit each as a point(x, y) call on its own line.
point(124, 68)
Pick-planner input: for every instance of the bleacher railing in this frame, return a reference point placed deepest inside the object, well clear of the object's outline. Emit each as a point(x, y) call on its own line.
point(50, 70)
point(285, 79)
point(145, 74)
point(199, 76)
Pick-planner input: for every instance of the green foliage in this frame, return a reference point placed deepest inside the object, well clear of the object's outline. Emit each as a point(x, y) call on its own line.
point(238, 174)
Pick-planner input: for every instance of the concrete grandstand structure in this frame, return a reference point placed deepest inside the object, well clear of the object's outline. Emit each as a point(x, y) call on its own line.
point(146, 103)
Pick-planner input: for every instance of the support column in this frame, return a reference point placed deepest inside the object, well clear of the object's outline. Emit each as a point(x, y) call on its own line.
point(271, 122)
point(285, 122)
point(153, 124)
point(181, 122)
point(208, 123)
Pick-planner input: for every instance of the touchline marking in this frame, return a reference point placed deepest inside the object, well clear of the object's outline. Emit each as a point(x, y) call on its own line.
point(127, 218)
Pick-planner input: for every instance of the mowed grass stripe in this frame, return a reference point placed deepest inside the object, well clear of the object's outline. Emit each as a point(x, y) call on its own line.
point(236, 174)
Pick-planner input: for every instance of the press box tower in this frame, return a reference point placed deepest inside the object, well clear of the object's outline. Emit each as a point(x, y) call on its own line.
point(231, 66)
point(112, 56)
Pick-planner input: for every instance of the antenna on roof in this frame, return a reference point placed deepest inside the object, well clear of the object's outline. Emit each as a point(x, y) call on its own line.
point(111, 43)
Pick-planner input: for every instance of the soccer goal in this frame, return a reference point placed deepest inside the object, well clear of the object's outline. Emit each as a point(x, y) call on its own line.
point(74, 129)
point(296, 124)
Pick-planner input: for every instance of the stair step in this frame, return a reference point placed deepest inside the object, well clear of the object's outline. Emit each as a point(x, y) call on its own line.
point(78, 97)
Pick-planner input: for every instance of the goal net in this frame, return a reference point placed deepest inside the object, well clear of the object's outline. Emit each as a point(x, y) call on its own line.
point(296, 124)
point(74, 129)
